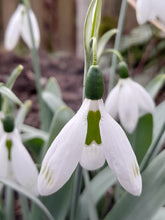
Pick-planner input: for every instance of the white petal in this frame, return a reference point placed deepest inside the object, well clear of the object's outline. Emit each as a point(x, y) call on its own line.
point(128, 109)
point(111, 103)
point(92, 157)
point(144, 11)
point(3, 158)
point(25, 31)
point(144, 100)
point(159, 7)
point(64, 153)
point(13, 29)
point(119, 154)
point(24, 169)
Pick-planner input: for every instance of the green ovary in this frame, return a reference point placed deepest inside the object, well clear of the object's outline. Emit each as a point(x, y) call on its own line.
point(9, 145)
point(93, 130)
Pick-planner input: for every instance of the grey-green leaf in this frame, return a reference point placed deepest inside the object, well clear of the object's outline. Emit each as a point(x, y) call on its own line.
point(14, 75)
point(155, 85)
point(9, 94)
point(160, 215)
point(54, 102)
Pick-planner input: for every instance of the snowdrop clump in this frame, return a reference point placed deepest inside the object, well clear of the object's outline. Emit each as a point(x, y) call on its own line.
point(19, 26)
point(16, 161)
point(128, 100)
point(148, 10)
point(89, 138)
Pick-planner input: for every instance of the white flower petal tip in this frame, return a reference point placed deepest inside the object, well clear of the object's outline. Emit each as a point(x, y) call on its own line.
point(148, 10)
point(19, 26)
point(92, 157)
point(128, 101)
point(134, 184)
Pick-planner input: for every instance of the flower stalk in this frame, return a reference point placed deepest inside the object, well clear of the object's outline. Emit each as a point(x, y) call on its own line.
point(37, 71)
point(117, 43)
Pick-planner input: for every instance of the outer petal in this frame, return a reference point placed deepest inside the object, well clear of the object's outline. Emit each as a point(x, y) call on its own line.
point(144, 100)
point(24, 169)
point(13, 29)
point(64, 153)
point(111, 103)
point(120, 155)
point(25, 31)
point(159, 7)
point(92, 157)
point(128, 109)
point(3, 158)
point(145, 11)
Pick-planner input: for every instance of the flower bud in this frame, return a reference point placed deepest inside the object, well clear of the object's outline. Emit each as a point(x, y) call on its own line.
point(8, 124)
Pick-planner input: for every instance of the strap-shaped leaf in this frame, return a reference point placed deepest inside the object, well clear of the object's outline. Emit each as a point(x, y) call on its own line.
point(91, 27)
point(9, 94)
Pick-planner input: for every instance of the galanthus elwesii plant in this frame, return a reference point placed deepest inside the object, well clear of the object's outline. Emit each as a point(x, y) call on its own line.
point(89, 138)
point(14, 158)
point(147, 10)
point(18, 26)
point(128, 100)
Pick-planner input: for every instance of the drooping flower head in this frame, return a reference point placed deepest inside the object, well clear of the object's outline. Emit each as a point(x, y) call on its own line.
point(90, 138)
point(18, 26)
point(128, 100)
point(147, 10)
point(14, 158)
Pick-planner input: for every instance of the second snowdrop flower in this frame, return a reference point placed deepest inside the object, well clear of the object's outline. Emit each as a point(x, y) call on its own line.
point(15, 161)
point(89, 138)
point(18, 26)
point(128, 100)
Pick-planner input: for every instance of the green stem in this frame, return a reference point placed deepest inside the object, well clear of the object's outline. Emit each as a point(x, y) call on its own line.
point(116, 52)
point(9, 204)
point(37, 71)
point(117, 42)
point(76, 192)
point(94, 46)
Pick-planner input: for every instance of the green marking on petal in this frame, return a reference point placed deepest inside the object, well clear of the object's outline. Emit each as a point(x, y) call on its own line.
point(9, 145)
point(93, 130)
point(136, 170)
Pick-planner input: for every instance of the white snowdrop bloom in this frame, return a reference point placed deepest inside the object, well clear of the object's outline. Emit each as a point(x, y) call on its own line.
point(19, 26)
point(127, 102)
point(148, 10)
point(89, 138)
point(16, 161)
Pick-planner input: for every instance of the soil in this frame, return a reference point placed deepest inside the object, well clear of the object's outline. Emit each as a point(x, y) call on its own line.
point(67, 69)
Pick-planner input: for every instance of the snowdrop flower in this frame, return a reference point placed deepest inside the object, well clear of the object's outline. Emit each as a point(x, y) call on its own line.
point(19, 26)
point(148, 10)
point(89, 138)
point(128, 101)
point(16, 161)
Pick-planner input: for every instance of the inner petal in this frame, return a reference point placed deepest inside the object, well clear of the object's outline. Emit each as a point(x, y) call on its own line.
point(92, 157)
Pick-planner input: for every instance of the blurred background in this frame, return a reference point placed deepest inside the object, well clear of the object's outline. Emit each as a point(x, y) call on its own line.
point(61, 21)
